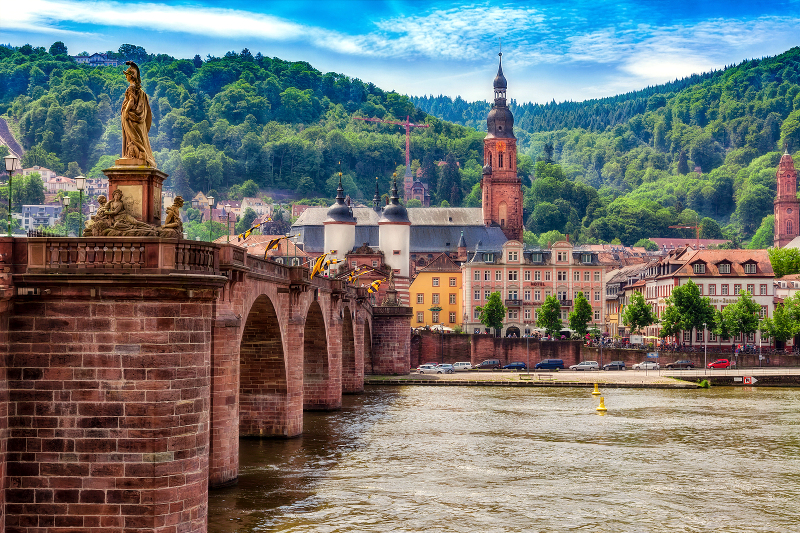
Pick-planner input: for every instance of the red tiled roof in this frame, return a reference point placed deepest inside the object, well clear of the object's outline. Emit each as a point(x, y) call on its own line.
point(737, 258)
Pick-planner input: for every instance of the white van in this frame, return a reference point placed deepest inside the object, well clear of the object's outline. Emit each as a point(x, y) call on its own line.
point(462, 366)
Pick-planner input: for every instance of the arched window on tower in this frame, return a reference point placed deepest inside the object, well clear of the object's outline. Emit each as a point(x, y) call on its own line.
point(489, 159)
point(500, 159)
point(789, 228)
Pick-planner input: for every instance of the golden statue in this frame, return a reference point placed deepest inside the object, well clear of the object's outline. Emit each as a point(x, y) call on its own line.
point(173, 228)
point(136, 119)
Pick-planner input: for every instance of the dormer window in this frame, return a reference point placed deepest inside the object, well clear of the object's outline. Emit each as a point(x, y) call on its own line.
point(536, 257)
point(700, 268)
point(586, 258)
point(749, 268)
point(724, 268)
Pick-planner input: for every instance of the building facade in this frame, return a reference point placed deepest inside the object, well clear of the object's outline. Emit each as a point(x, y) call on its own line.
point(436, 295)
point(786, 204)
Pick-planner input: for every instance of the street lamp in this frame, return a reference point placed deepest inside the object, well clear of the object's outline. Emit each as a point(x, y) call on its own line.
point(80, 183)
point(705, 349)
point(65, 203)
point(210, 213)
point(11, 166)
point(228, 221)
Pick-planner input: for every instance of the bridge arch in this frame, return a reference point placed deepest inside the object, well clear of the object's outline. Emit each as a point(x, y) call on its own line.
point(318, 393)
point(263, 387)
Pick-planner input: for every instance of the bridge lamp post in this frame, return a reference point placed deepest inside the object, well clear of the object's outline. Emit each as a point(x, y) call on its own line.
point(228, 221)
point(705, 349)
point(65, 203)
point(80, 183)
point(11, 166)
point(210, 217)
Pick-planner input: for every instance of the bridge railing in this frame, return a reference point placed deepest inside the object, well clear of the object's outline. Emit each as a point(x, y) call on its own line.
point(121, 254)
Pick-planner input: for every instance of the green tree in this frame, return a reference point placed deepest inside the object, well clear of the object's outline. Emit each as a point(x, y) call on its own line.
point(637, 315)
point(683, 163)
point(245, 221)
point(709, 229)
point(73, 170)
point(493, 313)
point(691, 310)
point(739, 318)
point(647, 244)
point(784, 261)
point(765, 234)
point(581, 315)
point(414, 202)
point(550, 315)
point(58, 48)
point(249, 189)
point(785, 320)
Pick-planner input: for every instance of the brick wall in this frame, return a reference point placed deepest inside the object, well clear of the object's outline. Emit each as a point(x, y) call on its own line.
point(3, 408)
point(391, 338)
point(109, 403)
point(352, 371)
point(321, 364)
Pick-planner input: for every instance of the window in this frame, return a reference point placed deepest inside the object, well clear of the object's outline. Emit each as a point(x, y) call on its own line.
point(596, 296)
point(498, 275)
point(724, 268)
point(597, 276)
point(536, 257)
point(699, 335)
point(536, 314)
point(737, 289)
point(513, 256)
point(562, 275)
point(723, 289)
point(420, 298)
point(488, 258)
point(477, 275)
point(586, 276)
point(435, 316)
point(452, 299)
point(586, 258)
point(487, 276)
point(537, 295)
point(353, 264)
point(527, 295)
point(547, 275)
point(712, 290)
point(751, 288)
point(512, 275)
point(513, 314)
point(512, 295)
point(396, 252)
point(452, 318)
point(487, 294)
point(576, 276)
point(687, 336)
point(562, 256)
point(435, 282)
point(749, 268)
point(527, 275)
point(374, 263)
point(699, 268)
point(477, 294)
point(527, 314)
point(564, 314)
point(476, 314)
point(712, 337)
point(596, 315)
point(420, 316)
point(762, 313)
point(452, 282)
point(789, 227)
point(700, 287)
point(562, 295)
point(435, 299)
point(763, 289)
point(537, 275)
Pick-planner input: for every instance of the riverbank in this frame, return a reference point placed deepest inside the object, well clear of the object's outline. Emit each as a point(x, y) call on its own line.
point(643, 379)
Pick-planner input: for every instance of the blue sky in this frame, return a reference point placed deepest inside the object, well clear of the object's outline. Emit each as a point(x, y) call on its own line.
point(562, 50)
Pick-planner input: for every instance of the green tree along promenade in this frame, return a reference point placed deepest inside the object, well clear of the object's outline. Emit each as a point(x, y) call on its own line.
point(615, 168)
point(493, 313)
point(581, 315)
point(686, 310)
point(550, 316)
point(637, 315)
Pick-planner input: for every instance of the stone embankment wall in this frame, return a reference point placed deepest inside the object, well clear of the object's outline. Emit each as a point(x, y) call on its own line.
point(631, 357)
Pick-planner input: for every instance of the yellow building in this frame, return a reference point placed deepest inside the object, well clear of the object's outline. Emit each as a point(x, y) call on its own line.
point(435, 295)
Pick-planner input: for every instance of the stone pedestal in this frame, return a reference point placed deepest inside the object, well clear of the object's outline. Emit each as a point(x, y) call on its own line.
point(141, 188)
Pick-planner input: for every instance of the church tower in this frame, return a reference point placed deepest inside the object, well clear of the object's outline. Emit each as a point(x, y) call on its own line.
point(502, 189)
point(787, 207)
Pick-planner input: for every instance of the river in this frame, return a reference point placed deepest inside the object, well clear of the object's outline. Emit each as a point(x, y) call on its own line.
point(495, 459)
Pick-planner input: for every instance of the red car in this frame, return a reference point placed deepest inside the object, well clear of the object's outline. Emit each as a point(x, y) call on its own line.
point(721, 363)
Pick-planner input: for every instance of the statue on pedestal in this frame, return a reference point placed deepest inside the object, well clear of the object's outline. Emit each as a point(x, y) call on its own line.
point(136, 120)
point(173, 228)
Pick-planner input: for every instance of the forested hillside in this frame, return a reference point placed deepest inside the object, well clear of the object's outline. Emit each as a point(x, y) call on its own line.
point(221, 121)
point(640, 151)
point(700, 149)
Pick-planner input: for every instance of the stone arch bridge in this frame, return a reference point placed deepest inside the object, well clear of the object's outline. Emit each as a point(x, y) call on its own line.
point(132, 367)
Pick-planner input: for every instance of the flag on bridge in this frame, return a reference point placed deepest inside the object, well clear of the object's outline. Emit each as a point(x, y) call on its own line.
point(273, 244)
point(373, 287)
point(318, 265)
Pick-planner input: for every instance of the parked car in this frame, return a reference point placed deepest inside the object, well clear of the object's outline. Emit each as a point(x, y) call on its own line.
point(550, 364)
point(683, 363)
point(489, 363)
point(646, 365)
point(516, 365)
point(462, 366)
point(585, 365)
point(614, 365)
point(426, 369)
point(721, 363)
point(445, 369)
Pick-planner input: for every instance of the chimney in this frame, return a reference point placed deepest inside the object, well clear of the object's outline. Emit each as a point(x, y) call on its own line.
point(567, 237)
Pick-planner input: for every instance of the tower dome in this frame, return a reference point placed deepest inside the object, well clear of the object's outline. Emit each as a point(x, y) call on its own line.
point(394, 213)
point(340, 211)
point(500, 80)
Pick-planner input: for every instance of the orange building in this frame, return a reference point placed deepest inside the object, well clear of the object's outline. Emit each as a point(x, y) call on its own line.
point(436, 293)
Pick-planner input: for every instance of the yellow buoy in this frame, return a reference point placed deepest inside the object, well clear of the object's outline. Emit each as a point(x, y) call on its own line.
point(602, 406)
point(596, 391)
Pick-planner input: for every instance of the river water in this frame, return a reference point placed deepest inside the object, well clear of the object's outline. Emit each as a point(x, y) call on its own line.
point(495, 459)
